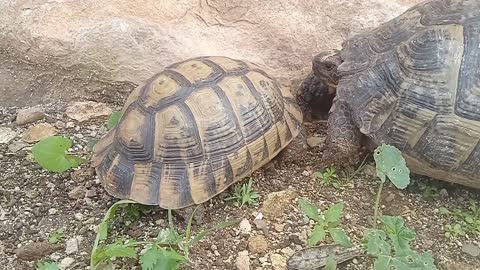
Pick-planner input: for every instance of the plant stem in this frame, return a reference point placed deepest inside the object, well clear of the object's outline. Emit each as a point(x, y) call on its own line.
point(377, 202)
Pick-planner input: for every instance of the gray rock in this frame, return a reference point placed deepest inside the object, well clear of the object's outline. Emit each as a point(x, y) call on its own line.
point(6, 134)
point(29, 115)
point(87, 110)
point(71, 246)
point(315, 141)
point(245, 226)
point(242, 262)
point(38, 132)
point(471, 249)
point(66, 262)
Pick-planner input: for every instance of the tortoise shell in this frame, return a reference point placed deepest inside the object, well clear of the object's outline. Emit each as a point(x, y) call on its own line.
point(193, 130)
point(414, 82)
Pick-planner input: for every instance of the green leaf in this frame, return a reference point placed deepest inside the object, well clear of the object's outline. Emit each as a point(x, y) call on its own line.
point(444, 211)
point(334, 213)
point(390, 162)
point(56, 236)
point(309, 209)
point(47, 266)
point(340, 237)
point(50, 153)
point(113, 250)
point(397, 232)
point(161, 259)
point(168, 236)
point(376, 244)
point(331, 263)
point(114, 119)
point(317, 235)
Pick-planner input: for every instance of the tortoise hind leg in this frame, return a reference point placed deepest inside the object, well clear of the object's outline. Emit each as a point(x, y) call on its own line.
point(343, 140)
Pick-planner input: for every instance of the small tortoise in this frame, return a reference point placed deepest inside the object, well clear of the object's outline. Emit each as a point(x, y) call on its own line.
point(193, 130)
point(413, 82)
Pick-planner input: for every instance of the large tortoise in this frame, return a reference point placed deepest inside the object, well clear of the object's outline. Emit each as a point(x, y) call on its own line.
point(413, 82)
point(193, 130)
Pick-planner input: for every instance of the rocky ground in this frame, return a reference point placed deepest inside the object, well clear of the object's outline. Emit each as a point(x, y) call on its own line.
point(35, 203)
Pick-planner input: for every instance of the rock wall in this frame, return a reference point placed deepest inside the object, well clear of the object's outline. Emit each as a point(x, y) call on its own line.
point(64, 49)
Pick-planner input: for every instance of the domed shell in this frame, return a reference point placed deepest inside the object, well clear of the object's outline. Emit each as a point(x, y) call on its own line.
point(193, 130)
point(414, 82)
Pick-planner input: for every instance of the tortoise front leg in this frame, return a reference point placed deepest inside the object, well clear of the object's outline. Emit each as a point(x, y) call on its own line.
point(343, 140)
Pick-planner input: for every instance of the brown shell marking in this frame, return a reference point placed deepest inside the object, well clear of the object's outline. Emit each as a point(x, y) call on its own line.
point(193, 130)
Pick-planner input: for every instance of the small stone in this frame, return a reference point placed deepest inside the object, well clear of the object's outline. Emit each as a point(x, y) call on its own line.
point(71, 246)
point(242, 261)
point(70, 125)
point(390, 197)
point(348, 216)
point(278, 227)
point(38, 132)
point(315, 141)
point(245, 226)
point(52, 211)
point(6, 134)
point(79, 216)
point(90, 193)
point(2, 248)
point(257, 244)
point(471, 249)
point(160, 221)
point(277, 203)
point(87, 110)
point(34, 251)
point(77, 192)
point(59, 124)
point(260, 224)
point(278, 262)
point(16, 146)
point(288, 251)
point(29, 115)
point(66, 262)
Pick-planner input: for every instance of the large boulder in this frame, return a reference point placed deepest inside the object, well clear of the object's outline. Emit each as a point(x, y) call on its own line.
point(97, 49)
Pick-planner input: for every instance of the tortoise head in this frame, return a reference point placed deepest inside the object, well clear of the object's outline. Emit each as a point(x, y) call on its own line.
point(319, 88)
point(325, 67)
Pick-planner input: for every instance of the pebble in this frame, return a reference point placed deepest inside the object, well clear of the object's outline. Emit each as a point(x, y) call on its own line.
point(277, 203)
point(29, 115)
point(71, 246)
point(38, 132)
point(59, 124)
point(278, 262)
point(90, 193)
point(443, 193)
point(16, 146)
point(52, 211)
point(288, 251)
point(66, 262)
point(86, 110)
point(79, 216)
point(279, 227)
point(245, 226)
point(260, 224)
point(6, 135)
point(77, 192)
point(315, 141)
point(242, 261)
point(471, 249)
point(257, 244)
point(70, 125)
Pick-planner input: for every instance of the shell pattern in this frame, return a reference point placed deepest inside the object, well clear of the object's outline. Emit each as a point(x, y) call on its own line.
point(193, 130)
point(414, 82)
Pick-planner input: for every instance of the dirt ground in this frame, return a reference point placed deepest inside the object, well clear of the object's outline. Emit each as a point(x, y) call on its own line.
point(35, 203)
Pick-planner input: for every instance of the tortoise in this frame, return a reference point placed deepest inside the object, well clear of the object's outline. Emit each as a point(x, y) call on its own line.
point(194, 129)
point(412, 82)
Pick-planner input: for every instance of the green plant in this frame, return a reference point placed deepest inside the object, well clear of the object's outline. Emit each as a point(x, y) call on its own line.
point(51, 154)
point(47, 266)
point(328, 177)
point(390, 246)
point(465, 221)
point(114, 119)
point(430, 193)
point(325, 224)
point(349, 176)
point(169, 250)
point(244, 194)
point(56, 236)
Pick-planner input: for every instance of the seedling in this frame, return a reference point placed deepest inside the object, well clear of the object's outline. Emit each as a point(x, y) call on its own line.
point(47, 266)
point(168, 251)
point(466, 221)
point(390, 246)
point(325, 224)
point(328, 177)
point(56, 236)
point(51, 154)
point(244, 194)
point(430, 193)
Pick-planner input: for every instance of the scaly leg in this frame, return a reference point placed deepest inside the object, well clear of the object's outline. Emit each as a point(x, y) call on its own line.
point(343, 140)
